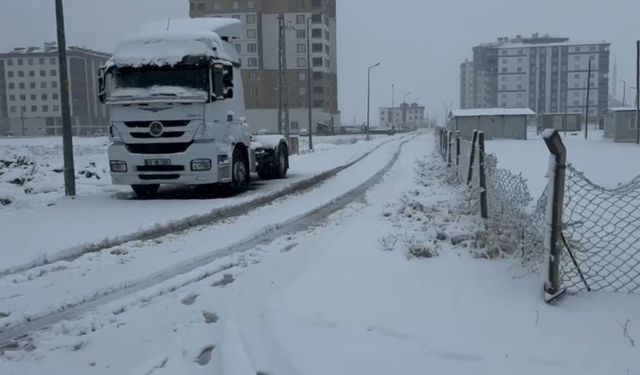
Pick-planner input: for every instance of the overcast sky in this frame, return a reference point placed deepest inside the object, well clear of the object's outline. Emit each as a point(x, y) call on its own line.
point(420, 43)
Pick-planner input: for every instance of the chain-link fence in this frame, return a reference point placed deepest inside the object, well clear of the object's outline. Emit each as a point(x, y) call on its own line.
point(602, 234)
point(598, 229)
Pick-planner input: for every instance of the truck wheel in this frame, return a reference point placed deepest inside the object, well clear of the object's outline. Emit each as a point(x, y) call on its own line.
point(281, 166)
point(239, 172)
point(145, 191)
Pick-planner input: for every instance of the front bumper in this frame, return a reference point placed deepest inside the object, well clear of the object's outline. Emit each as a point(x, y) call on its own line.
point(177, 173)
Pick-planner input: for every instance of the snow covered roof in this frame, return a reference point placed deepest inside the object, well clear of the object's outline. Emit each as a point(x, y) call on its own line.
point(476, 112)
point(225, 27)
point(556, 44)
point(187, 37)
point(621, 109)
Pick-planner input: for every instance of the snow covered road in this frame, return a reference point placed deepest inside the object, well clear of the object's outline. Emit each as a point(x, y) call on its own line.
point(326, 298)
point(104, 216)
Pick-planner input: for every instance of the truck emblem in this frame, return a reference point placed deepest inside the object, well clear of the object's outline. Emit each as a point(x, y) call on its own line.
point(156, 129)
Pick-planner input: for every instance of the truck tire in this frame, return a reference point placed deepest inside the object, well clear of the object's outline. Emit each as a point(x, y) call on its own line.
point(282, 163)
point(240, 175)
point(145, 191)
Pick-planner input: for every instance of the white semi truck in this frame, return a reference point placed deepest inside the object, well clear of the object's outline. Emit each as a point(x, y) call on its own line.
point(176, 105)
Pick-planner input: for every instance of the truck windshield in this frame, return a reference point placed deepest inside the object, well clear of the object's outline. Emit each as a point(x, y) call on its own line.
point(176, 81)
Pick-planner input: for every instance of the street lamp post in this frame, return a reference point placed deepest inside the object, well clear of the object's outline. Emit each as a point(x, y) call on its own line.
point(309, 99)
point(369, 95)
point(404, 110)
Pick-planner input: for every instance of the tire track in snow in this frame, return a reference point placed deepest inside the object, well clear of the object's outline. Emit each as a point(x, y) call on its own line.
point(214, 216)
point(265, 235)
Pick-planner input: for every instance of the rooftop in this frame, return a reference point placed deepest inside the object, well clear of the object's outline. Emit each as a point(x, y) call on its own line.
point(479, 112)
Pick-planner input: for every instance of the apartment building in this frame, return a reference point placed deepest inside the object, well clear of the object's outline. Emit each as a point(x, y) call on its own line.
point(466, 84)
point(405, 117)
point(546, 74)
point(259, 55)
point(30, 92)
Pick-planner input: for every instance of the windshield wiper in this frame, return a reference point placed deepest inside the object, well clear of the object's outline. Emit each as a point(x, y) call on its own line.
point(164, 94)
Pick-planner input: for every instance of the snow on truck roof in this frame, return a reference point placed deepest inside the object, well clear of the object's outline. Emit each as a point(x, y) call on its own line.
point(477, 112)
point(177, 39)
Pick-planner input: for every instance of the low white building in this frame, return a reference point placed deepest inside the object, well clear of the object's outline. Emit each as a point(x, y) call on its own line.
point(405, 117)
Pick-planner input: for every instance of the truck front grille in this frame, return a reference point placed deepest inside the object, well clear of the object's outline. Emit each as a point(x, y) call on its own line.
point(158, 148)
point(164, 135)
point(146, 124)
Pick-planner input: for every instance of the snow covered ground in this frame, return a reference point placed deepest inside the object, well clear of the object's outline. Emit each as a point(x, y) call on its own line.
point(377, 287)
point(31, 185)
point(604, 162)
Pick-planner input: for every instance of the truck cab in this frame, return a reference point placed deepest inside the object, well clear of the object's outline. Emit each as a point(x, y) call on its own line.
point(176, 106)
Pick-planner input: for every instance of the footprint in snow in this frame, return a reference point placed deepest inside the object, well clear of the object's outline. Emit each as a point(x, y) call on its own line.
point(226, 280)
point(205, 355)
point(190, 299)
point(210, 317)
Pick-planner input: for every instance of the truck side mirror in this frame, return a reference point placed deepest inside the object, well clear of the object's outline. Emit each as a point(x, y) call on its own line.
point(102, 95)
point(217, 91)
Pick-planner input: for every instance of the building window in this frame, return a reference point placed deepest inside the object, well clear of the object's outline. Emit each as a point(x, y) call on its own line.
point(300, 19)
point(504, 70)
point(30, 61)
point(20, 62)
point(316, 33)
point(11, 86)
point(34, 108)
point(54, 84)
point(23, 97)
point(318, 103)
point(294, 125)
point(53, 61)
point(12, 97)
point(239, 48)
point(10, 74)
point(316, 18)
point(236, 5)
point(317, 61)
point(54, 72)
point(252, 48)
point(318, 89)
point(302, 76)
point(302, 48)
point(32, 73)
point(251, 33)
point(20, 73)
point(301, 4)
point(316, 47)
point(44, 97)
point(56, 108)
point(216, 5)
point(201, 7)
point(45, 108)
point(251, 19)
point(10, 62)
point(13, 109)
point(32, 85)
point(54, 96)
point(33, 97)
point(192, 7)
point(43, 73)
point(302, 91)
point(302, 62)
point(252, 62)
point(251, 4)
point(253, 76)
point(301, 34)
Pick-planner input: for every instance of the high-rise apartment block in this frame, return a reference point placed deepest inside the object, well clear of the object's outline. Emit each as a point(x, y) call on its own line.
point(546, 74)
point(30, 93)
point(259, 55)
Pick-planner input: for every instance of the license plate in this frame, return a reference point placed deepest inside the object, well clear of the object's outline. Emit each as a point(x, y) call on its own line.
point(156, 162)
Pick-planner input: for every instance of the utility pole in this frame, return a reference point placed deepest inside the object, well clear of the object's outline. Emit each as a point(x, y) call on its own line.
point(638, 92)
point(283, 88)
point(67, 136)
point(393, 106)
point(22, 118)
point(369, 96)
point(586, 121)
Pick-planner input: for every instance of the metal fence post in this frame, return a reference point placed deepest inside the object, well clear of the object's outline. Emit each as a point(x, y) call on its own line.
point(449, 144)
point(457, 148)
point(483, 178)
point(555, 204)
point(472, 157)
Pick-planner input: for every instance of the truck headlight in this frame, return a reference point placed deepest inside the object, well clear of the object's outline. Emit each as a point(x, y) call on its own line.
point(118, 166)
point(200, 165)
